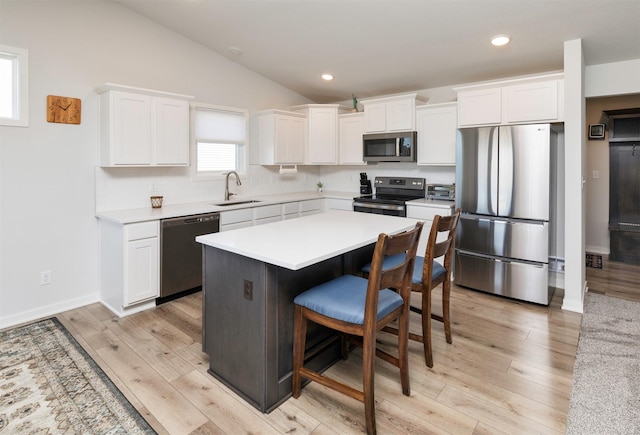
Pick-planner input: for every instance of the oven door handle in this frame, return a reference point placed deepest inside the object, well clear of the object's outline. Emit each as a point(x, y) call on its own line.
point(378, 206)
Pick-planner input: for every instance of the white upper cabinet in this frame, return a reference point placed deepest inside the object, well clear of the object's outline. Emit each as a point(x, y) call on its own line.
point(483, 107)
point(436, 125)
point(390, 113)
point(278, 137)
point(351, 131)
point(519, 101)
point(322, 132)
point(375, 117)
point(172, 127)
point(532, 102)
point(141, 127)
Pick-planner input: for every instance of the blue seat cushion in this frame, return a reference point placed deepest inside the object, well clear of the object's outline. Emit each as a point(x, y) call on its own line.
point(394, 260)
point(343, 298)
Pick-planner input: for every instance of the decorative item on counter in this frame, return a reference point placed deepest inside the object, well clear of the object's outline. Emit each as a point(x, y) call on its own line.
point(320, 186)
point(355, 103)
point(156, 201)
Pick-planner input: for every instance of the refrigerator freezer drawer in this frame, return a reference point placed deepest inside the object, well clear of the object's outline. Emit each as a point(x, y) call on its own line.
point(524, 281)
point(504, 238)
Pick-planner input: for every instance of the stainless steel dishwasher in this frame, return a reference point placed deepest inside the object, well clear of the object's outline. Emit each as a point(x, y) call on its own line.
point(181, 255)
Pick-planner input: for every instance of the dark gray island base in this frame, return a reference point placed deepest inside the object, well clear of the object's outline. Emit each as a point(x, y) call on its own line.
point(248, 321)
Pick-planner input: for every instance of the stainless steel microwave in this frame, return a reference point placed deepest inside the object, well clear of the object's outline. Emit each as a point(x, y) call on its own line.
point(390, 147)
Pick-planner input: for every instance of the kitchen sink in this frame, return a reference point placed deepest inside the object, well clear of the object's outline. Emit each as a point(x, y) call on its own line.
point(225, 204)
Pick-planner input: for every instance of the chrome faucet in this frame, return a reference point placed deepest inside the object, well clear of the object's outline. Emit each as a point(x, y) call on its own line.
point(226, 185)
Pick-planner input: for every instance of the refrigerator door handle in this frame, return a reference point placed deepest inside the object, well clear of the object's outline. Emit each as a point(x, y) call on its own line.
point(482, 220)
point(514, 222)
point(505, 171)
point(494, 169)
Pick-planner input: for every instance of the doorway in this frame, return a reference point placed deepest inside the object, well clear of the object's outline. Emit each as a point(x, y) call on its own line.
point(604, 274)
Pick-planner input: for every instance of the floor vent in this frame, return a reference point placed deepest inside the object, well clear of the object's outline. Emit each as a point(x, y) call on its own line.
point(556, 264)
point(594, 261)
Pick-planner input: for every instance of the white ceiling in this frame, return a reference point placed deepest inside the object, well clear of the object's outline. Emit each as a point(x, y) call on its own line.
point(379, 47)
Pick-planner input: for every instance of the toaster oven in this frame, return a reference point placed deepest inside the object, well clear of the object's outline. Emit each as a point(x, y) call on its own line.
point(446, 192)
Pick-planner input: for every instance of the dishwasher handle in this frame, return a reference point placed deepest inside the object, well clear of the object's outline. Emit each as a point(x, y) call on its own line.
point(188, 220)
point(197, 220)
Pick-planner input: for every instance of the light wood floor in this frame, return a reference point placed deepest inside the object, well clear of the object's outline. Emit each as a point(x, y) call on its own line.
point(509, 370)
point(619, 280)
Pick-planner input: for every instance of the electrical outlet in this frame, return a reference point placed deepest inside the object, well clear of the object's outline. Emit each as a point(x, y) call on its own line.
point(46, 277)
point(248, 289)
point(153, 186)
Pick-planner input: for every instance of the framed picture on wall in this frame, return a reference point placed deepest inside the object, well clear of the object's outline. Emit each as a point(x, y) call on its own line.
point(596, 131)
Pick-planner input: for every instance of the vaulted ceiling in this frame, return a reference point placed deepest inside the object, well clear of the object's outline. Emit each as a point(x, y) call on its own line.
point(378, 47)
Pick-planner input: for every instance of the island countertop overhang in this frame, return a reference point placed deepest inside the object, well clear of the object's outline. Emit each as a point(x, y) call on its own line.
point(298, 243)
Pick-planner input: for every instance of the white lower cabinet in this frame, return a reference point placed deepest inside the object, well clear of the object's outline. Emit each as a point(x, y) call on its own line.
point(312, 206)
point(234, 219)
point(263, 214)
point(338, 204)
point(427, 214)
point(267, 213)
point(290, 210)
point(141, 270)
point(129, 265)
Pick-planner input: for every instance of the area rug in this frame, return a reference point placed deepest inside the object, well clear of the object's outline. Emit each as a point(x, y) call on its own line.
point(50, 385)
point(605, 398)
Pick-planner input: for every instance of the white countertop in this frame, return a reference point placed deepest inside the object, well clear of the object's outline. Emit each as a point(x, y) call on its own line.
point(176, 210)
point(297, 243)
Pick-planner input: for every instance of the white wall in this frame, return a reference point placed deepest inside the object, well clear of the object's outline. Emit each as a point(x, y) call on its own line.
point(47, 171)
point(616, 78)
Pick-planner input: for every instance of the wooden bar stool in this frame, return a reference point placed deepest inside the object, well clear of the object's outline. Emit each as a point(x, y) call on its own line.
point(427, 275)
point(358, 308)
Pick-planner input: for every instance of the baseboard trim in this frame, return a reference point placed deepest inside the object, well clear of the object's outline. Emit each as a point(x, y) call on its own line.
point(573, 305)
point(597, 250)
point(48, 311)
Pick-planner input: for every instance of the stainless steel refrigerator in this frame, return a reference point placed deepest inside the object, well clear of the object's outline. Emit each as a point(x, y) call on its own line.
point(505, 188)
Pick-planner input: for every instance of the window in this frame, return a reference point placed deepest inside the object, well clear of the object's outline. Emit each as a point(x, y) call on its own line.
point(219, 139)
point(14, 86)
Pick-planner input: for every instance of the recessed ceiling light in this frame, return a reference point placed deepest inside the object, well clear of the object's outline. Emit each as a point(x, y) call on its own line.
point(234, 50)
point(327, 77)
point(500, 40)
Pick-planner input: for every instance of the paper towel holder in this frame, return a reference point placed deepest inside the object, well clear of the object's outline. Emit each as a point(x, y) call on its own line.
point(288, 169)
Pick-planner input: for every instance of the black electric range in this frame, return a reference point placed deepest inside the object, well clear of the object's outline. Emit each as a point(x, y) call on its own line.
point(391, 195)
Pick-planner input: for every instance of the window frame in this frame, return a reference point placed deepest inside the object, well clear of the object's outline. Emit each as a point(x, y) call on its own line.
point(20, 86)
point(242, 147)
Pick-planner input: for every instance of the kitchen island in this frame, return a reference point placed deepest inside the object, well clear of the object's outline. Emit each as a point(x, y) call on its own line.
point(252, 275)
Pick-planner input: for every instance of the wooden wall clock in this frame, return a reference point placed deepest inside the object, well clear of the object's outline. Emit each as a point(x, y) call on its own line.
point(63, 110)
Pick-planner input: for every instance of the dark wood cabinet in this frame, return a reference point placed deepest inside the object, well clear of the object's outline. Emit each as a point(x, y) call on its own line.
point(248, 321)
point(624, 201)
